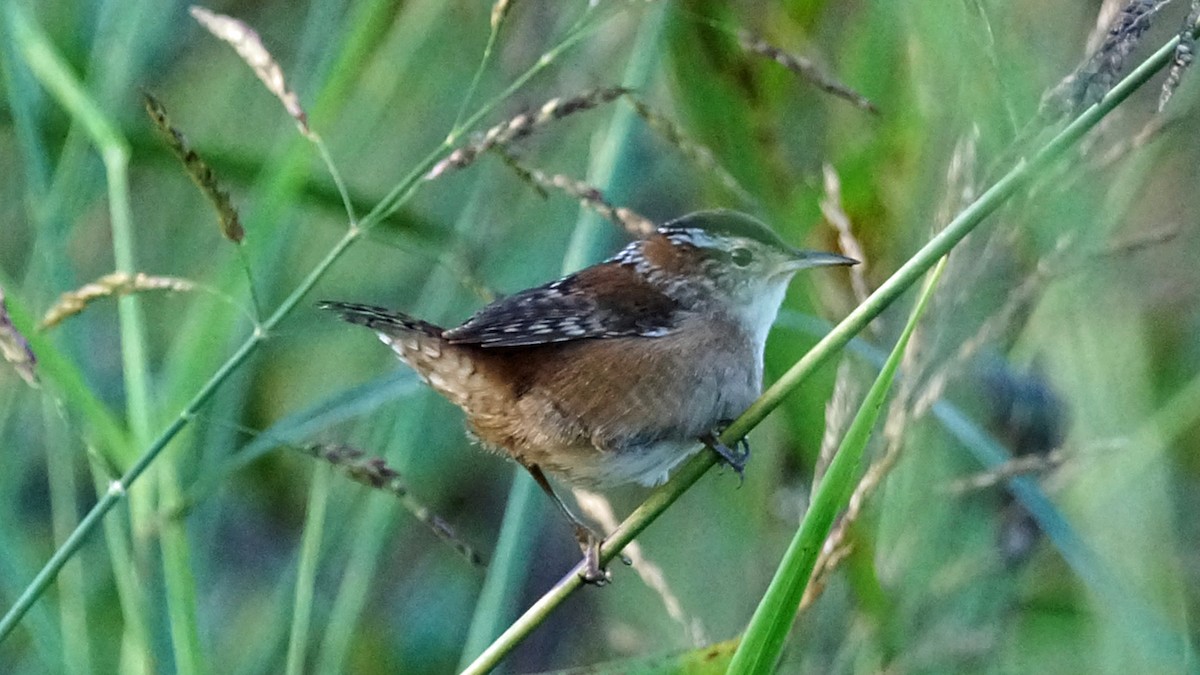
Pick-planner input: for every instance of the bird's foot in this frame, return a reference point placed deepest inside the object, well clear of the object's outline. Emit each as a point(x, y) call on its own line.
point(593, 572)
point(735, 457)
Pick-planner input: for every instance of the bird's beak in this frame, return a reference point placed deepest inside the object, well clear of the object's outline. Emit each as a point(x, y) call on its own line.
point(803, 260)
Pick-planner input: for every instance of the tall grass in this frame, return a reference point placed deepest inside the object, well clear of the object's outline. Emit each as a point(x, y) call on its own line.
point(215, 560)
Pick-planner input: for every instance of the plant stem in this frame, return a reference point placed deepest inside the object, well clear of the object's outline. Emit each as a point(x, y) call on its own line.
point(53, 73)
point(824, 350)
point(497, 602)
point(117, 489)
point(763, 641)
point(310, 551)
point(37, 52)
point(507, 572)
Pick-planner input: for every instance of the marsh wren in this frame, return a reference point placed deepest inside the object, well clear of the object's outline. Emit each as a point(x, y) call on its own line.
point(616, 373)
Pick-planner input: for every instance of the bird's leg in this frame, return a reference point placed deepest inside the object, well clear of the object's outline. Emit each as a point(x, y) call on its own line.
point(736, 457)
point(593, 572)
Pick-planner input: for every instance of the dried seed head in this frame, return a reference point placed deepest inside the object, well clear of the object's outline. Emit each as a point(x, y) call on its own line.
point(804, 68)
point(698, 154)
point(835, 215)
point(499, 12)
point(15, 347)
point(587, 195)
point(1184, 54)
point(197, 169)
point(115, 284)
point(250, 47)
point(522, 125)
point(371, 471)
point(1092, 80)
point(374, 472)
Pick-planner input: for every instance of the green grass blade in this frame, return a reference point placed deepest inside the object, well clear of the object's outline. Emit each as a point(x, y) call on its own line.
point(823, 351)
point(137, 656)
point(310, 551)
point(497, 602)
point(588, 240)
point(72, 601)
point(760, 646)
point(53, 72)
point(990, 454)
point(178, 576)
point(303, 424)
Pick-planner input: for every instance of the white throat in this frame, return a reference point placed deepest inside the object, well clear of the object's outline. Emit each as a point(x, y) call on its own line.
point(760, 311)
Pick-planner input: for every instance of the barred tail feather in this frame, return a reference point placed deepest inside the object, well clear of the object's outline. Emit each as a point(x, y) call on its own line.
point(381, 320)
point(448, 368)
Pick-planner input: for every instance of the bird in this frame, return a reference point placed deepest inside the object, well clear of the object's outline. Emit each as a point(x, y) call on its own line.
point(616, 373)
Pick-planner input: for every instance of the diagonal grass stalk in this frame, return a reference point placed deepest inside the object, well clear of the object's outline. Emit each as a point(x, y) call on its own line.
point(759, 648)
point(507, 572)
point(826, 348)
point(396, 197)
point(379, 516)
point(992, 454)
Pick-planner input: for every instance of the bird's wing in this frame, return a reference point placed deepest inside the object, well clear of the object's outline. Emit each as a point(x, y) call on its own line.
point(603, 301)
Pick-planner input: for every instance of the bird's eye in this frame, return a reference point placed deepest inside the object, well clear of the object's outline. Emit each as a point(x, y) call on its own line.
point(741, 257)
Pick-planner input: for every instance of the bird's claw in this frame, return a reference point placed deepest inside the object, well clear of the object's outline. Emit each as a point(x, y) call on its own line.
point(735, 458)
point(592, 572)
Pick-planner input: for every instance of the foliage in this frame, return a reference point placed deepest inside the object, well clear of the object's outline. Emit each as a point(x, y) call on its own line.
point(450, 151)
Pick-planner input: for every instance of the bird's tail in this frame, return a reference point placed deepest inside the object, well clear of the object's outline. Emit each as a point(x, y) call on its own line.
point(448, 368)
point(381, 320)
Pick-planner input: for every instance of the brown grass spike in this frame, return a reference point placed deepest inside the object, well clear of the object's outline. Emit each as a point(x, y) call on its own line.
point(199, 171)
point(1092, 80)
point(522, 125)
point(249, 46)
point(836, 216)
point(588, 195)
point(1184, 54)
point(375, 473)
point(806, 69)
point(110, 285)
point(15, 347)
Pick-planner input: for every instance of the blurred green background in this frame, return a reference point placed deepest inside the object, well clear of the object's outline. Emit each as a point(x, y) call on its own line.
point(1067, 322)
